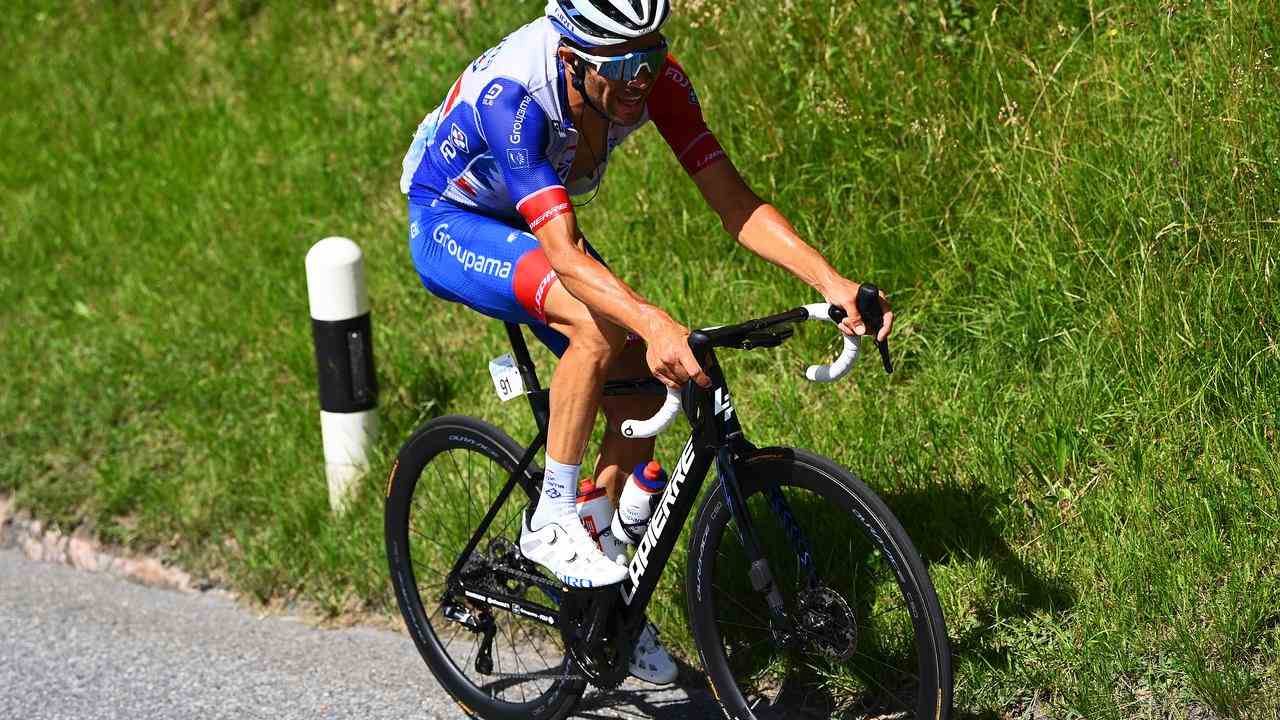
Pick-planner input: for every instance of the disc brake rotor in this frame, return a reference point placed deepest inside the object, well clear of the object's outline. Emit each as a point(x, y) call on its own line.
point(828, 622)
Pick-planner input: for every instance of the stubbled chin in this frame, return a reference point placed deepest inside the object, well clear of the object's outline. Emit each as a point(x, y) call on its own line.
point(629, 114)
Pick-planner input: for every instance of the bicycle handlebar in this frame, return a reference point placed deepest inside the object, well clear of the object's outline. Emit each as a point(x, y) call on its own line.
point(844, 363)
point(661, 421)
point(823, 312)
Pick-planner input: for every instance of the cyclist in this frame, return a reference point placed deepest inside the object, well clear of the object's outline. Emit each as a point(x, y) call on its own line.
point(489, 177)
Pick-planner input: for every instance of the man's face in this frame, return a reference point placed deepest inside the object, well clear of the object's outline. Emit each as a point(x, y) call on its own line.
point(622, 100)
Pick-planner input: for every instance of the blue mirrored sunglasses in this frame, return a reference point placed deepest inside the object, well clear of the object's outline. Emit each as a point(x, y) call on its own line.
point(626, 67)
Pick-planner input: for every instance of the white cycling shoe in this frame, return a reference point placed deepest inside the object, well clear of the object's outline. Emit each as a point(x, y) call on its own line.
point(650, 661)
point(566, 549)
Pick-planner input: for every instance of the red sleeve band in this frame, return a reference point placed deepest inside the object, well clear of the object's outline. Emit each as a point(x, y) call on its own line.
point(538, 208)
point(532, 281)
point(701, 152)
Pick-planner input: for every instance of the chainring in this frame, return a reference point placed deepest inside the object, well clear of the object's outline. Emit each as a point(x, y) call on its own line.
point(593, 635)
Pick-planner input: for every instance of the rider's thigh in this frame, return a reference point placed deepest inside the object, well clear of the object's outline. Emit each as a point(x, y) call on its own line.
point(585, 328)
point(629, 365)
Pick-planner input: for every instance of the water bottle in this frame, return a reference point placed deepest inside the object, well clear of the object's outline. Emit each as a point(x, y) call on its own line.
point(596, 513)
point(640, 496)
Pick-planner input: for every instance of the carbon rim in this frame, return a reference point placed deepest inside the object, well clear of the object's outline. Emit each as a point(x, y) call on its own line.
point(886, 674)
point(461, 475)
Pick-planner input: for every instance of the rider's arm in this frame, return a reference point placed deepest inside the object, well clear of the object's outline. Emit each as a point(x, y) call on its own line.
point(673, 106)
point(760, 228)
point(517, 129)
point(588, 280)
point(594, 284)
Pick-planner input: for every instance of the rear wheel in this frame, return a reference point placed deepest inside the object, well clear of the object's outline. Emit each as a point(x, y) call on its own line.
point(496, 665)
point(869, 639)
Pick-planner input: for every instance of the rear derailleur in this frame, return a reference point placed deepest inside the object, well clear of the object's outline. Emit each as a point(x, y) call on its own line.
point(502, 571)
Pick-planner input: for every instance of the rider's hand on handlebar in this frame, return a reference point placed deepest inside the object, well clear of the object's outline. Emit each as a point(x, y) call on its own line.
point(669, 357)
point(845, 293)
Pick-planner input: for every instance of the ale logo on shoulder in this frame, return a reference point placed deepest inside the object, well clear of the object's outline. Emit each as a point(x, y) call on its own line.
point(458, 138)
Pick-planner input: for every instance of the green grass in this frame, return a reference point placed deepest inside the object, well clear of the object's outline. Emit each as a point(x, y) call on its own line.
point(1074, 205)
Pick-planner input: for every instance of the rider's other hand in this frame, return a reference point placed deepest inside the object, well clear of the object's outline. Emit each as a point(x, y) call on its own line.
point(845, 294)
point(670, 359)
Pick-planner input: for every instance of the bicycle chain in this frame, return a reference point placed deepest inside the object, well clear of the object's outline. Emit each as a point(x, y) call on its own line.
point(504, 568)
point(534, 676)
point(540, 580)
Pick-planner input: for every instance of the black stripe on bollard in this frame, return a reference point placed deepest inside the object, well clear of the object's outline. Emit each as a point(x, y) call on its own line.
point(344, 356)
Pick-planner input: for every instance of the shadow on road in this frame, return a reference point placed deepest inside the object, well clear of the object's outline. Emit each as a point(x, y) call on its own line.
point(682, 702)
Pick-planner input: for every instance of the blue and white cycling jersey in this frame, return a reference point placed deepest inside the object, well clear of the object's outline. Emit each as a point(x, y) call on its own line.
point(502, 143)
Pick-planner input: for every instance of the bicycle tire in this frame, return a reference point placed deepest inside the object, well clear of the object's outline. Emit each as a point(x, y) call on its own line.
point(426, 530)
point(845, 521)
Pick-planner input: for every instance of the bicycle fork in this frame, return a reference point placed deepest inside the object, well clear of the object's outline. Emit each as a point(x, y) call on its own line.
point(760, 573)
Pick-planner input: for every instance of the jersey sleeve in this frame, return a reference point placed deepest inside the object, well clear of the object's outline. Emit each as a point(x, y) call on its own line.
point(673, 107)
point(517, 129)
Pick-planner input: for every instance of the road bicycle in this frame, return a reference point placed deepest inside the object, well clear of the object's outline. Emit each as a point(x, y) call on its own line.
point(805, 597)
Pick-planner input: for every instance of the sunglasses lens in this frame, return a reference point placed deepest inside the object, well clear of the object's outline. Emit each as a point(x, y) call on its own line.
point(612, 70)
point(651, 61)
point(629, 66)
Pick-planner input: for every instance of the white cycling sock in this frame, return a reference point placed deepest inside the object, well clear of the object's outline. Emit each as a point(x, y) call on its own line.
point(559, 493)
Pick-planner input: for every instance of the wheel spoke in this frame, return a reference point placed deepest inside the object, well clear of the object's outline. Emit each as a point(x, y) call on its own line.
point(506, 527)
point(524, 668)
point(737, 602)
point(470, 494)
point(536, 644)
point(744, 625)
point(457, 472)
point(883, 664)
point(444, 550)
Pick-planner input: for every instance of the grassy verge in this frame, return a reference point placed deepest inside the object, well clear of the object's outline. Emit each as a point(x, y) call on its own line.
point(1075, 206)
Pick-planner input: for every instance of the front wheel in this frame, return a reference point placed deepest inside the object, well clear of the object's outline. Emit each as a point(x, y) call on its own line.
point(867, 638)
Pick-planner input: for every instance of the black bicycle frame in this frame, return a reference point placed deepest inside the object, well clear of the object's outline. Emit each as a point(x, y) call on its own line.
point(716, 435)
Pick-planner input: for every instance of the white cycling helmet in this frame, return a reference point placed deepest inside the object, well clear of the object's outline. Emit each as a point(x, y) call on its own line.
point(593, 23)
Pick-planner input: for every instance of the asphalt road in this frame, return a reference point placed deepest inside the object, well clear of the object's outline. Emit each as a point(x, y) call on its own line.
point(84, 646)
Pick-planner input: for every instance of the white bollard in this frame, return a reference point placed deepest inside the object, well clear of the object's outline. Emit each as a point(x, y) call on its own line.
point(344, 359)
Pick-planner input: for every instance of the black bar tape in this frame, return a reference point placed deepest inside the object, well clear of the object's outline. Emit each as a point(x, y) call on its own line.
point(344, 357)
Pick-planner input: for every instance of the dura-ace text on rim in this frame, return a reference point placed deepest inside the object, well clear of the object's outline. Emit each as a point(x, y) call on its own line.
point(871, 537)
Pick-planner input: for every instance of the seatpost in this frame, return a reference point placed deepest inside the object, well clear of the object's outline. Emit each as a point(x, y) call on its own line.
point(539, 400)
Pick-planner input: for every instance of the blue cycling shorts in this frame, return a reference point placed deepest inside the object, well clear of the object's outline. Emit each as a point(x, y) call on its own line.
point(485, 264)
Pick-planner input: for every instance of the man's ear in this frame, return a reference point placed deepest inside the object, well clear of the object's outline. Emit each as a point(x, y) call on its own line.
point(572, 61)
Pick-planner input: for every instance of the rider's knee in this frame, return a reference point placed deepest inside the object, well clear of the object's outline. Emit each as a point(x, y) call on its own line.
point(599, 338)
point(620, 408)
